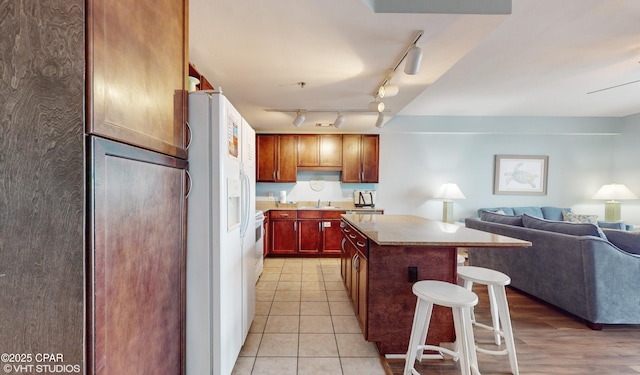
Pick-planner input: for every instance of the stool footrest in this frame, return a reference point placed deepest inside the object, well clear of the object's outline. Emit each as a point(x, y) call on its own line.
point(438, 349)
point(488, 328)
point(492, 352)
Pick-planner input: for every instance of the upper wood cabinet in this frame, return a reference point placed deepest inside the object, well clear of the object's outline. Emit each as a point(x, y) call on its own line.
point(277, 157)
point(360, 157)
point(320, 151)
point(136, 73)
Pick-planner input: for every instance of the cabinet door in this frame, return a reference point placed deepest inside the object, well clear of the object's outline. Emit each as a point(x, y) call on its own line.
point(283, 236)
point(287, 158)
point(309, 235)
point(136, 261)
point(355, 261)
point(332, 237)
point(267, 156)
point(351, 158)
point(362, 294)
point(370, 157)
point(136, 73)
point(308, 150)
point(330, 150)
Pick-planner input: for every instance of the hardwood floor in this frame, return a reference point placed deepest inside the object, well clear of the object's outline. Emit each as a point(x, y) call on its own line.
point(548, 341)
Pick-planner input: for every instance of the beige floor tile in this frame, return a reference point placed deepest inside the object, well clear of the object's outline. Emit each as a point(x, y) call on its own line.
point(278, 345)
point(314, 308)
point(313, 295)
point(290, 277)
point(317, 345)
point(259, 321)
point(282, 324)
point(354, 345)
point(272, 262)
point(289, 285)
point(263, 307)
point(312, 276)
point(337, 295)
point(332, 277)
point(272, 276)
point(243, 366)
point(313, 285)
point(341, 308)
point(309, 262)
point(287, 295)
point(265, 295)
point(251, 345)
point(316, 324)
point(266, 285)
point(275, 366)
point(359, 366)
point(334, 285)
point(285, 308)
point(345, 324)
point(319, 366)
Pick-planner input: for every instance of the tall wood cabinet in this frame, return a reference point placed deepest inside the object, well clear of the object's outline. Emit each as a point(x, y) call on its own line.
point(360, 158)
point(277, 156)
point(320, 151)
point(92, 223)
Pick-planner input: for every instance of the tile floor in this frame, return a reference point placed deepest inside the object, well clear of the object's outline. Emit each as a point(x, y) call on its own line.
point(305, 324)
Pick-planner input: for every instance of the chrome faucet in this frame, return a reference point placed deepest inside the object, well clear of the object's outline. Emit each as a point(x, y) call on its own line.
point(318, 204)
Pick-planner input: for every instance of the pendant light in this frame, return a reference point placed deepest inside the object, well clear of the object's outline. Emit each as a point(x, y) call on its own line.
point(339, 121)
point(299, 119)
point(413, 60)
point(380, 121)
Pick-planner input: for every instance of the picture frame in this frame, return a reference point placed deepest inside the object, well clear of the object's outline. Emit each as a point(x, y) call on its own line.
point(520, 174)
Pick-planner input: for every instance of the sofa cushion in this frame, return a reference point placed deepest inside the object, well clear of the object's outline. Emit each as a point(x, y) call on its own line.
point(574, 229)
point(531, 211)
point(501, 218)
point(577, 218)
point(553, 213)
point(624, 240)
point(506, 210)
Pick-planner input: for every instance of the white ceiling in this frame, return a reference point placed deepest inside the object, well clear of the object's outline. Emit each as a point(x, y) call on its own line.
point(544, 59)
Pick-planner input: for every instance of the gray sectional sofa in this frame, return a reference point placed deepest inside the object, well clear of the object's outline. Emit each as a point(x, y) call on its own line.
point(590, 272)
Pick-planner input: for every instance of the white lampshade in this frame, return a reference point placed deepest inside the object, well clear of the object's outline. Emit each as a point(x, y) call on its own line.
point(450, 191)
point(614, 192)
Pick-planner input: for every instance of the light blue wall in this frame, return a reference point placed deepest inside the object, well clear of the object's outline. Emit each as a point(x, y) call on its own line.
point(418, 155)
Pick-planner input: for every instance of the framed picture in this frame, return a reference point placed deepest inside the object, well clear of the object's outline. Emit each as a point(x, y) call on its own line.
point(521, 174)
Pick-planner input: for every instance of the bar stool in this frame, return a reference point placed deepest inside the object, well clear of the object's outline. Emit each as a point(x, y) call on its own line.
point(460, 300)
point(461, 260)
point(501, 320)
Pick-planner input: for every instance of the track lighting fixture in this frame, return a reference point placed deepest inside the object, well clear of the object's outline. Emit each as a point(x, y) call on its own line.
point(380, 121)
point(376, 106)
point(414, 58)
point(299, 119)
point(339, 121)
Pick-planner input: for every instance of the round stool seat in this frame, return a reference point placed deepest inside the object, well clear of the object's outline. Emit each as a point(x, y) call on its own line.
point(483, 275)
point(444, 294)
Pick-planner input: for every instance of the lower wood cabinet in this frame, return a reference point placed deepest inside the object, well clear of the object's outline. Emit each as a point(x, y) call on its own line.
point(305, 232)
point(283, 232)
point(354, 268)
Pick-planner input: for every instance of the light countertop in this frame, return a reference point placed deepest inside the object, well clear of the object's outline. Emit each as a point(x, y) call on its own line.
point(411, 230)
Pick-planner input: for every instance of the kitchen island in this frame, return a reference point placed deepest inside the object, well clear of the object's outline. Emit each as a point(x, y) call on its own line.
point(384, 255)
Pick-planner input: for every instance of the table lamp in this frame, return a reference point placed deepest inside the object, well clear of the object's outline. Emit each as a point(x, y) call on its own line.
point(448, 192)
point(612, 193)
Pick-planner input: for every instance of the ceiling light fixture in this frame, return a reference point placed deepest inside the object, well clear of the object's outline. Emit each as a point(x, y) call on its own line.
point(339, 121)
point(376, 106)
point(414, 56)
point(299, 119)
point(380, 121)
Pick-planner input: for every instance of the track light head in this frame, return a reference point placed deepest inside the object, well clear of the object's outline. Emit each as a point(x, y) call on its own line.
point(380, 121)
point(376, 106)
point(339, 121)
point(413, 60)
point(299, 119)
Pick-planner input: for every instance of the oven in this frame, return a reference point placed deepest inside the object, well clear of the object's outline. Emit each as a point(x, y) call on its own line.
point(259, 252)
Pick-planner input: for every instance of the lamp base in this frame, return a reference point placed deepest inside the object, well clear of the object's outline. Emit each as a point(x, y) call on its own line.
point(447, 211)
point(612, 211)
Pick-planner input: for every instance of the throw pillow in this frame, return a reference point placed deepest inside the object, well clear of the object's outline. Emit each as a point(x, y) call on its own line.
point(625, 240)
point(576, 218)
point(501, 218)
point(574, 229)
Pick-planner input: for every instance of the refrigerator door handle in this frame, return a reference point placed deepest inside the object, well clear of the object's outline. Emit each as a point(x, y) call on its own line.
point(244, 215)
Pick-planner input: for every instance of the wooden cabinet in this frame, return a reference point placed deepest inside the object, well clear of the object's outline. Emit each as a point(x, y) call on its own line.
point(354, 267)
point(204, 83)
point(309, 231)
point(320, 151)
point(136, 260)
point(277, 157)
point(360, 157)
point(283, 232)
point(136, 73)
point(331, 232)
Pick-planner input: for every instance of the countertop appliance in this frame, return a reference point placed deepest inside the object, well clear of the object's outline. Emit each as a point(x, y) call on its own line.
point(220, 234)
point(364, 198)
point(259, 250)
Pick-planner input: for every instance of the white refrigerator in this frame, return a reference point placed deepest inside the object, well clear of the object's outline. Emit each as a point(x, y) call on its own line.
point(220, 234)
